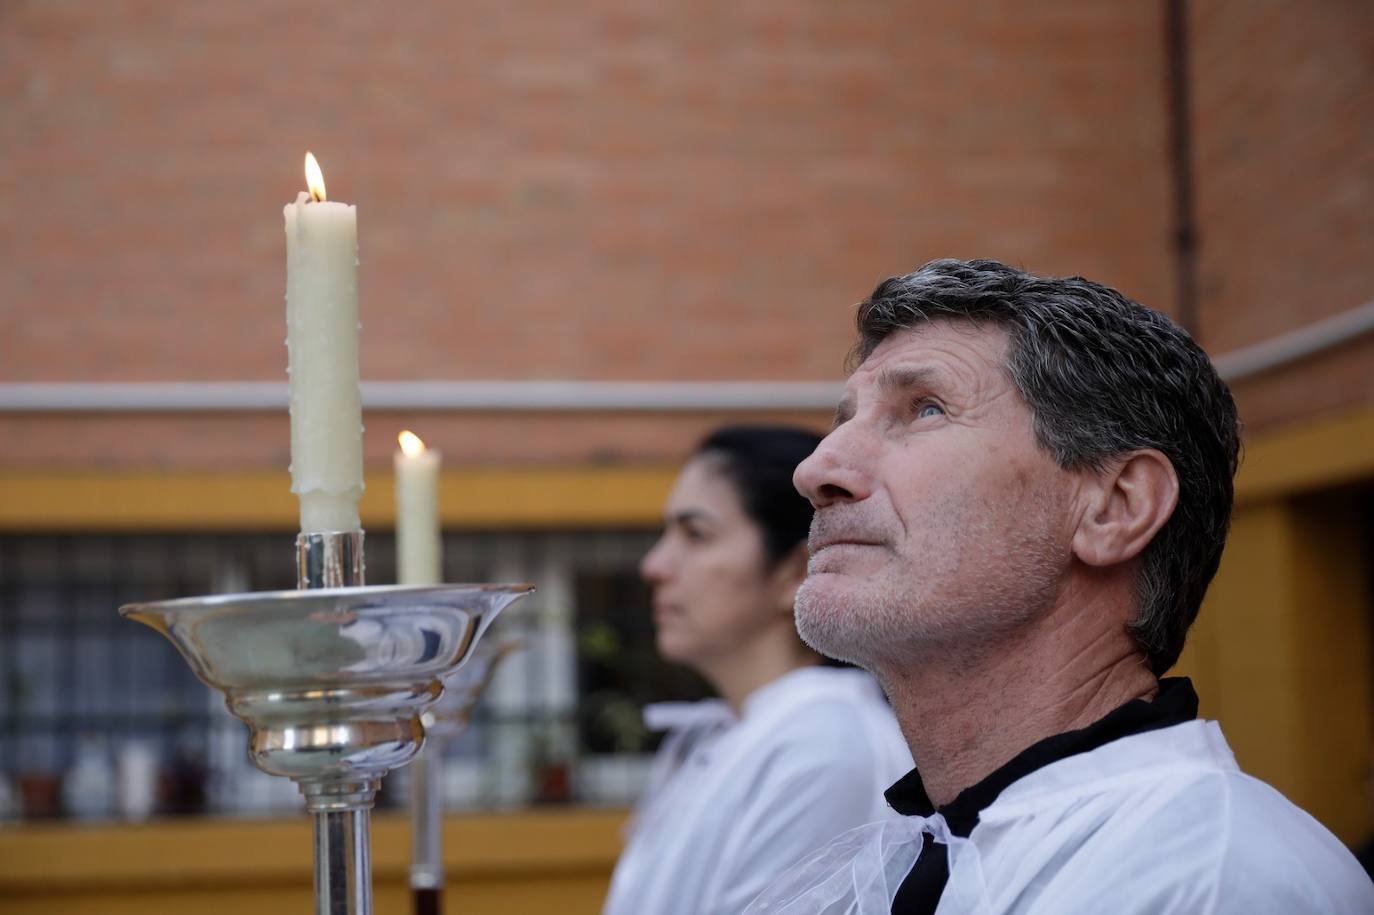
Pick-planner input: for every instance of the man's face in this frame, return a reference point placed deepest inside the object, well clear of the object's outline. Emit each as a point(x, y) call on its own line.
point(940, 523)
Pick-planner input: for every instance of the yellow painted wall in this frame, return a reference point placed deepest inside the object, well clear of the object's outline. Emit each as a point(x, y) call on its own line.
point(525, 498)
point(1281, 656)
point(529, 862)
point(1281, 652)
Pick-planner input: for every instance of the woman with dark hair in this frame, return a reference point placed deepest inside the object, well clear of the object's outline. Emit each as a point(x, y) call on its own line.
point(793, 753)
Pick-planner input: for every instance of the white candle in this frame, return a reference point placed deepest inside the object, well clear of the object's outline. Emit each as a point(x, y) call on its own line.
point(417, 513)
point(322, 345)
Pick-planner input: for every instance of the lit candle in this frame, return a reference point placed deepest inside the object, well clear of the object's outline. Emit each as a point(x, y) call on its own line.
point(417, 513)
point(322, 346)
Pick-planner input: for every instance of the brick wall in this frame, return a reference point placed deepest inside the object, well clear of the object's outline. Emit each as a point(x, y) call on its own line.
point(608, 190)
point(621, 191)
point(1284, 140)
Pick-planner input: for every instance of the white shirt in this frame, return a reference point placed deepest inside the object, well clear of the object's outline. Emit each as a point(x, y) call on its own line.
point(733, 802)
point(1160, 822)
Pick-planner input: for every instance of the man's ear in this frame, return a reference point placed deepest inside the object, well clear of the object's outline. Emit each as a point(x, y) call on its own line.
point(788, 575)
point(1130, 500)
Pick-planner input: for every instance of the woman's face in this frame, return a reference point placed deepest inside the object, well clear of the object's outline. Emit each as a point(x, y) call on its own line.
point(711, 590)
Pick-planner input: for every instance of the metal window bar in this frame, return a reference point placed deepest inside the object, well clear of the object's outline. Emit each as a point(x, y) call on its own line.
point(559, 723)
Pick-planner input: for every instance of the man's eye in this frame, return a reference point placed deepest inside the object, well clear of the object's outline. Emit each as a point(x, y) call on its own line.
point(927, 409)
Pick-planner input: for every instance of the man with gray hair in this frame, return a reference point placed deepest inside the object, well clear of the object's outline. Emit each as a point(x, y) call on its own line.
point(1023, 500)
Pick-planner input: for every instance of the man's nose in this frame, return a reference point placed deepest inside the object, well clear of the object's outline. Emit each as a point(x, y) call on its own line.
point(835, 471)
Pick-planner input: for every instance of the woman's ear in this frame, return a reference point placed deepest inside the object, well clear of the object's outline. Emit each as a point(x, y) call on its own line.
point(1130, 500)
point(788, 575)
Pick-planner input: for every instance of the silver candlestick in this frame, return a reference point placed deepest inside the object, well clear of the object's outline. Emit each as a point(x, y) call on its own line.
point(332, 680)
point(444, 720)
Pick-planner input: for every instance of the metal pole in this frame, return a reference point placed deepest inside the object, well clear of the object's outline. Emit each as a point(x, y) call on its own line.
point(343, 837)
point(343, 868)
point(426, 843)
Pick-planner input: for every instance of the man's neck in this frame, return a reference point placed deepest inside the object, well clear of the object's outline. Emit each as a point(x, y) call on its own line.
point(964, 717)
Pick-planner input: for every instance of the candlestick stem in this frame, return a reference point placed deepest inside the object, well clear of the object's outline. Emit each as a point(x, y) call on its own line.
point(343, 869)
point(343, 837)
point(329, 559)
point(426, 865)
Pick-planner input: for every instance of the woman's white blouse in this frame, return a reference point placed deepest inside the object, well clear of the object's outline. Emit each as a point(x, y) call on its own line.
point(732, 803)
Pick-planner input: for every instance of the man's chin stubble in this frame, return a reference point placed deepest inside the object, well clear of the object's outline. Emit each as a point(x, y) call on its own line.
point(877, 631)
point(837, 626)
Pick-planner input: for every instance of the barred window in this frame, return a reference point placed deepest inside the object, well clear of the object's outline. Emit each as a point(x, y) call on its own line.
point(84, 693)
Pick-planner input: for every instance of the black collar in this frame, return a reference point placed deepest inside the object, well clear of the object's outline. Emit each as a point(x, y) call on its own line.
point(1175, 703)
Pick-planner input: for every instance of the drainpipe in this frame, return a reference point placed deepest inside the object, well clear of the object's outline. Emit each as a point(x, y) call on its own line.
point(1181, 163)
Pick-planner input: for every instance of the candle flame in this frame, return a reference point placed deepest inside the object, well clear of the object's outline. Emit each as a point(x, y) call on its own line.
point(410, 443)
point(314, 178)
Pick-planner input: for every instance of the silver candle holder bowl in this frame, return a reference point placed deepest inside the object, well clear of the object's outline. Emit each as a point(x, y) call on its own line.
point(332, 683)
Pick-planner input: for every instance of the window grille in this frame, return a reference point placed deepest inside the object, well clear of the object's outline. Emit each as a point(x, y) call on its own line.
point(81, 688)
